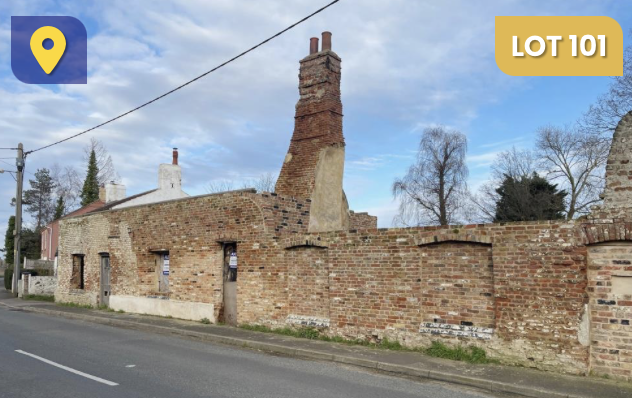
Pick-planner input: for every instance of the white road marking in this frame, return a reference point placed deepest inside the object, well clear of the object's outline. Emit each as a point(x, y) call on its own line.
point(130, 366)
point(71, 370)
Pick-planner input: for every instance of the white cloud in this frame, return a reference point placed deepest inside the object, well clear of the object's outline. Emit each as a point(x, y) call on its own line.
point(408, 61)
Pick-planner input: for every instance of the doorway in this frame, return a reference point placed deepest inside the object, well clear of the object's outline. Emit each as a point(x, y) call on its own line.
point(162, 268)
point(230, 283)
point(105, 279)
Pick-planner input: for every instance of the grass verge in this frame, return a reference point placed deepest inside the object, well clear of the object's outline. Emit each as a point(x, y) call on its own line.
point(470, 354)
point(38, 297)
point(75, 305)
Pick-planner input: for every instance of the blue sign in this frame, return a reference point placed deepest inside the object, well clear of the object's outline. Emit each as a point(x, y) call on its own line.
point(49, 50)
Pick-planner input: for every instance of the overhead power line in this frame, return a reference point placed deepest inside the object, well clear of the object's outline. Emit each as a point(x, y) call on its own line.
point(185, 84)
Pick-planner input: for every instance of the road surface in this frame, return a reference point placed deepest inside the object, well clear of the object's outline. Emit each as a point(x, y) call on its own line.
point(44, 356)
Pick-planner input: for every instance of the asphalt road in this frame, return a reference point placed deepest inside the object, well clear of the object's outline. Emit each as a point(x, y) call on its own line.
point(126, 363)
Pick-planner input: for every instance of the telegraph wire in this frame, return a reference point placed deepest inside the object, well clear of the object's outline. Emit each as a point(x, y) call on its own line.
point(185, 84)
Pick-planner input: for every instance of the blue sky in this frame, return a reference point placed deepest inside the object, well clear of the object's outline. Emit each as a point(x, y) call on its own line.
point(406, 65)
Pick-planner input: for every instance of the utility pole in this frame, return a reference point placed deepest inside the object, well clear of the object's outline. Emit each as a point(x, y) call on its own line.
point(19, 162)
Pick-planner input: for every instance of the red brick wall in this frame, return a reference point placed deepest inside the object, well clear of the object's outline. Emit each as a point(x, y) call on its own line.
point(532, 297)
point(527, 308)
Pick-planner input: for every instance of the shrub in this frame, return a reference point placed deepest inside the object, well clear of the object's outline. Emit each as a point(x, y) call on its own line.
point(205, 321)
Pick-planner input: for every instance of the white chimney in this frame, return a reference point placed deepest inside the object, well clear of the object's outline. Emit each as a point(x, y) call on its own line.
point(170, 177)
point(114, 192)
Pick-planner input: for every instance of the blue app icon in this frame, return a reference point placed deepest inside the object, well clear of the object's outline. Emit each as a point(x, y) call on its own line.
point(49, 50)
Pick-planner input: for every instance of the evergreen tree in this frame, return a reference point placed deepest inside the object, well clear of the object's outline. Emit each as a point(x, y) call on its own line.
point(90, 191)
point(529, 198)
point(60, 209)
point(30, 244)
point(9, 240)
point(39, 199)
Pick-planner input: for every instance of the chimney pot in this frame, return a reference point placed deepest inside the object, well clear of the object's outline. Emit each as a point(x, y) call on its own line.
point(175, 156)
point(326, 41)
point(313, 45)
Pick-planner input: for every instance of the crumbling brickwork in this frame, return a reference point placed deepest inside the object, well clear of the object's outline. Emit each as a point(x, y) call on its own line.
point(618, 192)
point(610, 287)
point(362, 221)
point(192, 232)
point(318, 123)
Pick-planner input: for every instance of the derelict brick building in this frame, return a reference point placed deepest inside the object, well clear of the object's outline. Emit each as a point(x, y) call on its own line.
point(551, 295)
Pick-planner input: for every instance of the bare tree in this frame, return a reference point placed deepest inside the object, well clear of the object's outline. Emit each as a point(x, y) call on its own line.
point(576, 159)
point(68, 184)
point(604, 115)
point(219, 186)
point(107, 173)
point(514, 163)
point(434, 189)
point(264, 183)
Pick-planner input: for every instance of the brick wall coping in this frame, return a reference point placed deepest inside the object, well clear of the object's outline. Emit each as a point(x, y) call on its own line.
point(449, 236)
point(606, 232)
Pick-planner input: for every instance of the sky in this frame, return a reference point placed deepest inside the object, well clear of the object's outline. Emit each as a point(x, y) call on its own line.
point(406, 65)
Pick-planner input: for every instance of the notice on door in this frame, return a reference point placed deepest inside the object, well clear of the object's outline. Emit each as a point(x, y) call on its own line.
point(165, 265)
point(232, 263)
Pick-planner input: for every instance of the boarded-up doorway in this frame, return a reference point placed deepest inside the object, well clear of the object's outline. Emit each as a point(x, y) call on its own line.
point(230, 283)
point(163, 270)
point(105, 279)
point(457, 289)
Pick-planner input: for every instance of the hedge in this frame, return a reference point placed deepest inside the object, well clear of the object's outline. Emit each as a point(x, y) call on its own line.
point(8, 277)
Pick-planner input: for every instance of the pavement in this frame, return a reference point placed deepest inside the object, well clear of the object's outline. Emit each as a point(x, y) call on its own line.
point(486, 379)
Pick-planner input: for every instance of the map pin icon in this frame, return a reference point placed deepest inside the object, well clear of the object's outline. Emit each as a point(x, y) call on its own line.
point(48, 59)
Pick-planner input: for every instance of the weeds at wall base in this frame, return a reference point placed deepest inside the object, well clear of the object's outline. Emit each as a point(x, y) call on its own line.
point(38, 297)
point(470, 354)
point(88, 307)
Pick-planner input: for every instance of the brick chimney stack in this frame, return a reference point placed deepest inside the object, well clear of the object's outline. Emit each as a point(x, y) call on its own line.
point(175, 157)
point(314, 164)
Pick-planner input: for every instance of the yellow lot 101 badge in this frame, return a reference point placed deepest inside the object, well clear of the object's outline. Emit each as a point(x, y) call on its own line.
point(559, 46)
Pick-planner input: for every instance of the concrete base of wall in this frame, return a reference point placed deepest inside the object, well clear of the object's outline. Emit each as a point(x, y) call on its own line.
point(161, 307)
point(42, 285)
point(77, 296)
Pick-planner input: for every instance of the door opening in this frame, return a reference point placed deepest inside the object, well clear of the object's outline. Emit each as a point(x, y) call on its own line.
point(230, 283)
point(162, 268)
point(105, 279)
